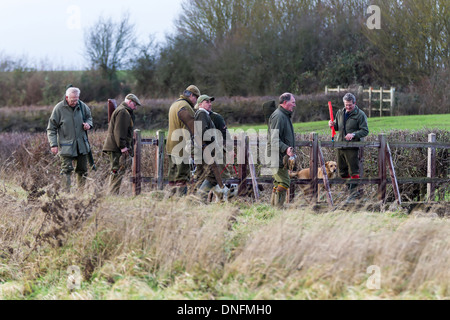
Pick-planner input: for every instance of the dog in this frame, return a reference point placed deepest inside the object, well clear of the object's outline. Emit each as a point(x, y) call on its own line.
point(229, 191)
point(330, 167)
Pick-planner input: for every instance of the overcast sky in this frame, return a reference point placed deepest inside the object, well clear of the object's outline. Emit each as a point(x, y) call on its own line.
point(52, 30)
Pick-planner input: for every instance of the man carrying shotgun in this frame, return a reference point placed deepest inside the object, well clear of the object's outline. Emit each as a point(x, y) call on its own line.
point(351, 123)
point(119, 141)
point(67, 134)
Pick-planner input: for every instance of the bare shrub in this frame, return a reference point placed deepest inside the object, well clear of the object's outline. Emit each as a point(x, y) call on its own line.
point(430, 95)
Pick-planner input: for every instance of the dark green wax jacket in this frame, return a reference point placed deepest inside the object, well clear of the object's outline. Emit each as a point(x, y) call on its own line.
point(280, 121)
point(356, 123)
point(120, 130)
point(65, 129)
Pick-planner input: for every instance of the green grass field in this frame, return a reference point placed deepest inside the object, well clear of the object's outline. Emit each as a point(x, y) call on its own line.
point(376, 125)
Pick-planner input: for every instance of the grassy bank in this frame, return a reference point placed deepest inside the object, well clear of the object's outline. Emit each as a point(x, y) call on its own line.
point(149, 248)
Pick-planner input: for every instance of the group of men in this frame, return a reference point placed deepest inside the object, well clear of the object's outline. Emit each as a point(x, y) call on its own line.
point(190, 122)
point(67, 129)
point(350, 123)
point(71, 119)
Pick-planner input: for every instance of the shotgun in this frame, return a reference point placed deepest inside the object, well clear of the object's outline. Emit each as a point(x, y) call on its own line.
point(90, 156)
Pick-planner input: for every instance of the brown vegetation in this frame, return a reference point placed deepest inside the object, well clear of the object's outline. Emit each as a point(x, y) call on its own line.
point(174, 249)
point(154, 248)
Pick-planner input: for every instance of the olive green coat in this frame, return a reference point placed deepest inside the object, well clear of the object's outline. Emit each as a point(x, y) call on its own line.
point(65, 129)
point(176, 123)
point(120, 130)
point(356, 123)
point(280, 120)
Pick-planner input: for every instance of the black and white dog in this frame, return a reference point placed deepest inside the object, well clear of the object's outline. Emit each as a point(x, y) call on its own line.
point(224, 194)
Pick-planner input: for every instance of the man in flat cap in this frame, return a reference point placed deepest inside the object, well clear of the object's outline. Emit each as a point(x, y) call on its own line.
point(119, 141)
point(206, 172)
point(181, 129)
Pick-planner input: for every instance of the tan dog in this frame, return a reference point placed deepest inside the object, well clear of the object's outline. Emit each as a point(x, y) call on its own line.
point(330, 167)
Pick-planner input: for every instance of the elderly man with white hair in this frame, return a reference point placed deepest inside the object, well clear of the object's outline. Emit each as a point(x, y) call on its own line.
point(67, 134)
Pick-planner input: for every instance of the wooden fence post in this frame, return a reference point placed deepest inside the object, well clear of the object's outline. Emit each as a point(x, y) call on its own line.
point(314, 163)
point(382, 168)
point(393, 175)
point(431, 170)
point(290, 193)
point(290, 196)
point(326, 183)
point(242, 162)
point(251, 167)
point(160, 160)
point(361, 167)
point(137, 180)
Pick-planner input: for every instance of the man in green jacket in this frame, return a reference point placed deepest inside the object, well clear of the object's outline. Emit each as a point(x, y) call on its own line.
point(210, 147)
point(351, 125)
point(119, 141)
point(281, 134)
point(228, 144)
point(66, 133)
point(181, 129)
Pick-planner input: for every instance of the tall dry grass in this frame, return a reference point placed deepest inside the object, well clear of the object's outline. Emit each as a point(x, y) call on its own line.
point(180, 249)
point(148, 247)
point(336, 250)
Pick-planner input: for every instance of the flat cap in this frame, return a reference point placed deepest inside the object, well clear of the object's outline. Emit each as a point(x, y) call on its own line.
point(132, 97)
point(194, 90)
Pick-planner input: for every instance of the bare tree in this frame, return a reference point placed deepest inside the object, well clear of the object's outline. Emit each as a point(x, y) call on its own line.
point(109, 44)
point(144, 68)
